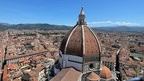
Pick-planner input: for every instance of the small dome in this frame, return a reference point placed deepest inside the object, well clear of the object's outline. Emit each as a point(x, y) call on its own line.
point(93, 76)
point(105, 73)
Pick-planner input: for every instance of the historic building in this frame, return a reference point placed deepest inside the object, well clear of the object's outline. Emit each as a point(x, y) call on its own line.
point(80, 56)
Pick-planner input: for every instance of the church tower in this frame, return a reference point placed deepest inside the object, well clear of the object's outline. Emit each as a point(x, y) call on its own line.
point(80, 48)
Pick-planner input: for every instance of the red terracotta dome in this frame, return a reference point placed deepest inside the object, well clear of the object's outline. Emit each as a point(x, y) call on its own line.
point(81, 41)
point(105, 73)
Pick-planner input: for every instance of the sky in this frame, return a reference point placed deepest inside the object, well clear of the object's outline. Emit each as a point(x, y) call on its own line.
point(65, 12)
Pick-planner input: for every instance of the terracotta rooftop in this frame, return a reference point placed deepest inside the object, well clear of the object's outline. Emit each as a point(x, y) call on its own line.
point(5, 72)
point(21, 60)
point(110, 59)
point(67, 74)
point(13, 66)
point(93, 77)
point(130, 72)
point(27, 61)
point(105, 73)
point(123, 51)
point(39, 67)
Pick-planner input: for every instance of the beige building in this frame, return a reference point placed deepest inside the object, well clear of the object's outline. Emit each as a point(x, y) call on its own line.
point(109, 62)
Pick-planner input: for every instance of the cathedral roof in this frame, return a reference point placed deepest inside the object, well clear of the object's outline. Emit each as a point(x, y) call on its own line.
point(93, 77)
point(105, 73)
point(67, 74)
point(80, 40)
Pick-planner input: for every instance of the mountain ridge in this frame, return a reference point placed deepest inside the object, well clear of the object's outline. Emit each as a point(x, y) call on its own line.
point(40, 26)
point(45, 26)
point(121, 28)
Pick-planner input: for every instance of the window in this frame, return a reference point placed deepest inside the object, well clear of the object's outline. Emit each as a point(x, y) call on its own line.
point(91, 66)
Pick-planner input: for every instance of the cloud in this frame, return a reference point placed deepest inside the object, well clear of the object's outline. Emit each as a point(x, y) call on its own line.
point(114, 23)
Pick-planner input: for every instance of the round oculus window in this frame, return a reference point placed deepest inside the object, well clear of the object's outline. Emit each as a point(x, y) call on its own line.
point(91, 66)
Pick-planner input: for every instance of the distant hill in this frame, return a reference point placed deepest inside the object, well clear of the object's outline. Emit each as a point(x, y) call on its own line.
point(5, 26)
point(121, 28)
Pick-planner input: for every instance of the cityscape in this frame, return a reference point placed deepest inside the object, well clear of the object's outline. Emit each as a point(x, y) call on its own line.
point(49, 52)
